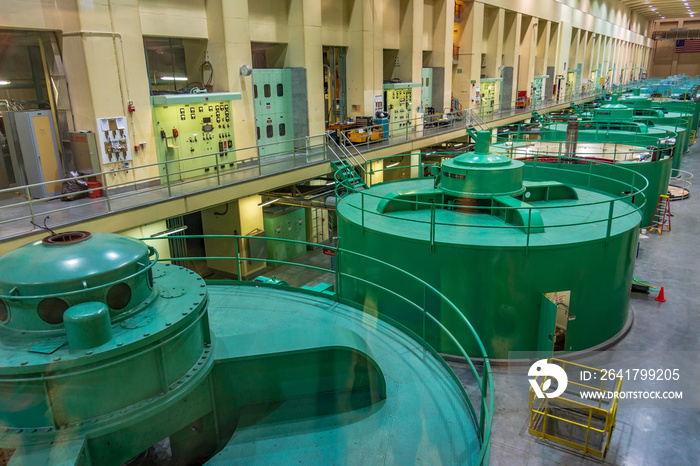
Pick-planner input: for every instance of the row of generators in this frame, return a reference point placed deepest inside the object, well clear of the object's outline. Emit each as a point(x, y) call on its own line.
point(534, 239)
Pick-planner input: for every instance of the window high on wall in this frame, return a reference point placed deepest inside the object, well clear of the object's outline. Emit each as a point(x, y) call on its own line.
point(22, 77)
point(177, 65)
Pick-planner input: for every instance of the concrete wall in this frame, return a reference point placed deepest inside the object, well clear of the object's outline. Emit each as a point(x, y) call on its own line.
point(665, 61)
point(102, 48)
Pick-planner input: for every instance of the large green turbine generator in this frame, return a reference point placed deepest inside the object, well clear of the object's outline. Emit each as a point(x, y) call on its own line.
point(645, 109)
point(652, 161)
point(537, 256)
point(105, 353)
point(615, 123)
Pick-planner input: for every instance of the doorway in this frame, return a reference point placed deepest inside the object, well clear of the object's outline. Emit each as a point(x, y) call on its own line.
point(554, 321)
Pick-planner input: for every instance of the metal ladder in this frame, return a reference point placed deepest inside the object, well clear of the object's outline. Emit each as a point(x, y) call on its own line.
point(662, 215)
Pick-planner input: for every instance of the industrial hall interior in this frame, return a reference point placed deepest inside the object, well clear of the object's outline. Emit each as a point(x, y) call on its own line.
point(444, 232)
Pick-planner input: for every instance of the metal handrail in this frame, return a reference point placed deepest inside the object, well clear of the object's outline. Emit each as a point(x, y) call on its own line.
point(169, 179)
point(357, 151)
point(545, 133)
point(484, 382)
point(347, 153)
point(162, 179)
point(635, 196)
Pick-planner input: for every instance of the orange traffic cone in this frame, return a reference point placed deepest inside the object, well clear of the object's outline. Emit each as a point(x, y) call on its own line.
point(661, 295)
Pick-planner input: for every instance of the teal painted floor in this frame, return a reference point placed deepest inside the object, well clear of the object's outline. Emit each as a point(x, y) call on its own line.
point(562, 219)
point(422, 421)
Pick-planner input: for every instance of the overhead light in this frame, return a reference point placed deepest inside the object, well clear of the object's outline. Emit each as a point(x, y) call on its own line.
point(330, 183)
point(263, 204)
point(172, 231)
point(4, 83)
point(173, 78)
point(663, 17)
point(392, 165)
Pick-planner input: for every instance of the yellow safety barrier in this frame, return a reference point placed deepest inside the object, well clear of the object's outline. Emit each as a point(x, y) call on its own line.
point(572, 419)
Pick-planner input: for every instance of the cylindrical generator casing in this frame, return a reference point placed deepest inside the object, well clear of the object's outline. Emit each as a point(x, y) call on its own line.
point(499, 289)
point(495, 273)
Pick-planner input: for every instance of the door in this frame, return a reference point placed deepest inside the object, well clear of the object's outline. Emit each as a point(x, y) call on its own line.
point(554, 321)
point(548, 316)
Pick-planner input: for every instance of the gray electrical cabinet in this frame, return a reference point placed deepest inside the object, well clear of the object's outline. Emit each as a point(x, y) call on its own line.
point(274, 115)
point(83, 145)
point(39, 151)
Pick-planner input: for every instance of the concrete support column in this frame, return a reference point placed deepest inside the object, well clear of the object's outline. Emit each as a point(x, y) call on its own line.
point(229, 49)
point(443, 39)
point(415, 164)
point(411, 47)
point(364, 57)
point(494, 51)
point(494, 23)
point(528, 49)
point(305, 50)
point(105, 65)
point(469, 39)
point(564, 61)
point(542, 46)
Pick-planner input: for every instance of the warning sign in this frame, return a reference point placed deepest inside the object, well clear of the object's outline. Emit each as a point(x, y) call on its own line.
point(329, 251)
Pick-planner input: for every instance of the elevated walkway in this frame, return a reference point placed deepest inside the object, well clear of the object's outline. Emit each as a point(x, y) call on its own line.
point(151, 197)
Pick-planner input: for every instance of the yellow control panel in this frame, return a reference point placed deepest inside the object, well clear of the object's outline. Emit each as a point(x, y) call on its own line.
point(200, 129)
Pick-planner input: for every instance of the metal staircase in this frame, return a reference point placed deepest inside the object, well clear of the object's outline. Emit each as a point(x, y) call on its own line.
point(541, 119)
point(475, 121)
point(350, 166)
point(349, 170)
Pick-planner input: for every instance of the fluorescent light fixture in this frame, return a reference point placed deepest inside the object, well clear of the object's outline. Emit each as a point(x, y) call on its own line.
point(392, 165)
point(458, 145)
point(330, 183)
point(4, 83)
point(172, 231)
point(173, 78)
point(263, 204)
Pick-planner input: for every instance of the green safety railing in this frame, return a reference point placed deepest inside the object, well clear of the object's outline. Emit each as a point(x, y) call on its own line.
point(594, 132)
point(480, 405)
point(513, 142)
point(624, 186)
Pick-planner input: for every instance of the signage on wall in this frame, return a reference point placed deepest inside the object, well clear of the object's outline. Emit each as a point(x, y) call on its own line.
point(378, 102)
